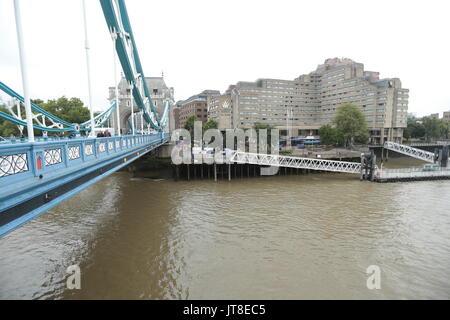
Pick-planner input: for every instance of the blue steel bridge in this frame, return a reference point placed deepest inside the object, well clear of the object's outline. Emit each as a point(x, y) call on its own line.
point(39, 173)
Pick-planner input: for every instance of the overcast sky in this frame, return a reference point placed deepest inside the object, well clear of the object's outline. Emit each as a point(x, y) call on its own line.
point(210, 44)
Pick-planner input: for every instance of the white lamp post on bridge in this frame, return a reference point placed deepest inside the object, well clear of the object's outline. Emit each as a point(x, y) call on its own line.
point(23, 67)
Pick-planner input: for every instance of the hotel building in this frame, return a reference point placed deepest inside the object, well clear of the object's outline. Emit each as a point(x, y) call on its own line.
point(310, 101)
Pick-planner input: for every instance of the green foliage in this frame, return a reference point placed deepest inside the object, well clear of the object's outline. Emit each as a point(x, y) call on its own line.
point(189, 125)
point(435, 128)
point(7, 128)
point(330, 135)
point(210, 124)
point(351, 123)
point(70, 110)
point(260, 125)
point(414, 129)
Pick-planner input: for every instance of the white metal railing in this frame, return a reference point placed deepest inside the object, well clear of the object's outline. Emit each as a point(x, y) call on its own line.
point(427, 144)
point(410, 151)
point(296, 162)
point(413, 172)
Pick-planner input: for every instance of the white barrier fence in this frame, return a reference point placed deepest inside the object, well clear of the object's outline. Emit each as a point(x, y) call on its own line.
point(411, 173)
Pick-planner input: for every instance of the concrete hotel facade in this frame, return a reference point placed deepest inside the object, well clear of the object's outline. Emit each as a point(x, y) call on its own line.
point(220, 109)
point(310, 101)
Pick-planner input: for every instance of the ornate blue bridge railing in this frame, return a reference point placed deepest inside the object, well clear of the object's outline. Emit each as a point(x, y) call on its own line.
point(37, 176)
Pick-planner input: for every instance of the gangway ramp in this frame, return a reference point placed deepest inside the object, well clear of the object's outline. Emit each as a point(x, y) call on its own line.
point(296, 162)
point(410, 151)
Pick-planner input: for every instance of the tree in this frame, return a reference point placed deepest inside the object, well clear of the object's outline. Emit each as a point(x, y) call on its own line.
point(210, 124)
point(7, 128)
point(330, 135)
point(71, 110)
point(435, 128)
point(414, 129)
point(189, 125)
point(351, 123)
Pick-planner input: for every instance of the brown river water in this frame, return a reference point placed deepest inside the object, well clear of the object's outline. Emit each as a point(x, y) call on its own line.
point(309, 236)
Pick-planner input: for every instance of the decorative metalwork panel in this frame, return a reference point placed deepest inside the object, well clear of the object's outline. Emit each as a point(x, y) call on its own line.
point(102, 147)
point(52, 157)
point(117, 144)
point(110, 145)
point(124, 143)
point(74, 152)
point(13, 164)
point(88, 150)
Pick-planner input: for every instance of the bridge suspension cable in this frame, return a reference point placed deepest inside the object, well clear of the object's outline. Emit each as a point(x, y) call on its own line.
point(124, 45)
point(46, 121)
point(118, 23)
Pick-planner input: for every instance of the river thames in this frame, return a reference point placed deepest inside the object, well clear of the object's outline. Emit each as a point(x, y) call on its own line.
point(306, 236)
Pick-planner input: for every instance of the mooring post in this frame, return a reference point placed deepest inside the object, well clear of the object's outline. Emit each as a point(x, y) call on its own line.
point(215, 172)
point(372, 167)
point(361, 177)
point(188, 173)
point(229, 172)
point(444, 156)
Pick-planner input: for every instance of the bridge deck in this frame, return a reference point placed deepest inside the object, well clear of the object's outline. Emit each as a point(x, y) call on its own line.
point(37, 176)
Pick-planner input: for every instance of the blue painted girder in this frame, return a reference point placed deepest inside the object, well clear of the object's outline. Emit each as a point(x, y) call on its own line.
point(44, 173)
